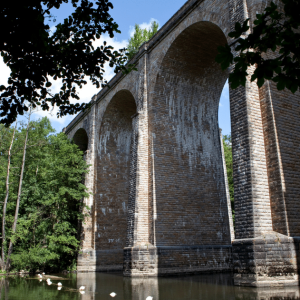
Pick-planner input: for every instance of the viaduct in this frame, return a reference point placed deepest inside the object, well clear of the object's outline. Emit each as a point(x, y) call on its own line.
point(160, 203)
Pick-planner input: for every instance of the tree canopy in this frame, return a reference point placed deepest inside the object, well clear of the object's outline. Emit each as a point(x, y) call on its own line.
point(140, 36)
point(272, 47)
point(36, 56)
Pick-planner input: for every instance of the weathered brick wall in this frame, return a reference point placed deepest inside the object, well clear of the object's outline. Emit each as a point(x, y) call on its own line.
point(268, 260)
point(251, 190)
point(251, 187)
point(112, 182)
point(281, 112)
point(261, 256)
point(139, 214)
point(188, 169)
point(174, 260)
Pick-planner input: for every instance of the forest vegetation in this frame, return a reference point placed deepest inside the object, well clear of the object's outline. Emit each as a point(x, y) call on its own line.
point(41, 195)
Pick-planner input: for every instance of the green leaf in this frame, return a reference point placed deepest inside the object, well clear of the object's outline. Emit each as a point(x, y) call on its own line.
point(280, 85)
point(260, 82)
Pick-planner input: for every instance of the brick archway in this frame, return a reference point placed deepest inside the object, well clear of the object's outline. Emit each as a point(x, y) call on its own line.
point(112, 183)
point(81, 139)
point(188, 175)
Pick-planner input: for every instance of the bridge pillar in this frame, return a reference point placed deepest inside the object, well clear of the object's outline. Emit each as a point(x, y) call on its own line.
point(140, 255)
point(87, 259)
point(261, 256)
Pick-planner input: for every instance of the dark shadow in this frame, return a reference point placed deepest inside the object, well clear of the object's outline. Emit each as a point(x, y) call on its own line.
point(112, 181)
point(80, 138)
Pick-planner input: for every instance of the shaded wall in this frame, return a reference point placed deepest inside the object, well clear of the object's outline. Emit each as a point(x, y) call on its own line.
point(187, 162)
point(112, 184)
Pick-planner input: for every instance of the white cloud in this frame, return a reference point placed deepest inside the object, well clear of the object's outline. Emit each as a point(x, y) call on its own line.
point(4, 73)
point(142, 26)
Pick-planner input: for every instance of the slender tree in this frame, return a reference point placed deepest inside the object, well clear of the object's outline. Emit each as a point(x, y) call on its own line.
point(10, 248)
point(6, 199)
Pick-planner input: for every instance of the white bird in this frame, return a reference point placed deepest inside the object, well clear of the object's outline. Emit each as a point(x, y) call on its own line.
point(40, 276)
point(82, 288)
point(59, 284)
point(49, 281)
point(113, 294)
point(82, 292)
point(149, 298)
point(41, 280)
point(59, 288)
point(43, 273)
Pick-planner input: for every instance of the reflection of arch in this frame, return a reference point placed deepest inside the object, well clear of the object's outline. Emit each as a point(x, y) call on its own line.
point(184, 121)
point(112, 185)
point(80, 138)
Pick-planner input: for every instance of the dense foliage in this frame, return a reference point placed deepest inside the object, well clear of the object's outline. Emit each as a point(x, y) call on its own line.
point(272, 47)
point(36, 56)
point(140, 36)
point(228, 159)
point(51, 201)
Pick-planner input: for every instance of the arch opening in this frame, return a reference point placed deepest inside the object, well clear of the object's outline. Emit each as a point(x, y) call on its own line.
point(189, 177)
point(112, 184)
point(81, 139)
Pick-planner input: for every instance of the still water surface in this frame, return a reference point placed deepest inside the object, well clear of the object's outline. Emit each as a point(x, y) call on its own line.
point(100, 285)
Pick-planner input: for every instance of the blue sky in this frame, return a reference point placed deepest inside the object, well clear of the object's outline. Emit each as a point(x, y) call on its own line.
point(126, 14)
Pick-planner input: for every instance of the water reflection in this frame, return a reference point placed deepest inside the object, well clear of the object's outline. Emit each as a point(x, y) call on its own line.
point(27, 288)
point(100, 285)
point(140, 288)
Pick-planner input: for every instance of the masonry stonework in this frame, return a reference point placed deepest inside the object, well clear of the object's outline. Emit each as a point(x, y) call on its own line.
point(160, 203)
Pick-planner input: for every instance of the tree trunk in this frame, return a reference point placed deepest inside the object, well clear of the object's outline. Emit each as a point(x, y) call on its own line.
point(5, 202)
point(10, 249)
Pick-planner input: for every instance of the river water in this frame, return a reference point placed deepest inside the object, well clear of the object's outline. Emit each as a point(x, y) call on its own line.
point(101, 285)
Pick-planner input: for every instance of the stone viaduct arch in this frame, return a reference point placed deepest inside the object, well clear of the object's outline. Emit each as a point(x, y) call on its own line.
point(185, 140)
point(81, 139)
point(112, 180)
point(160, 204)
